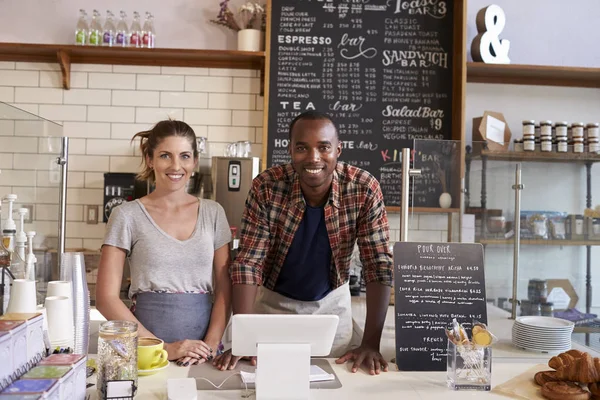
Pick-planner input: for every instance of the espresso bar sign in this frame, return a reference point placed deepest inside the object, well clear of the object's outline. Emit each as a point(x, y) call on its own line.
point(434, 283)
point(381, 68)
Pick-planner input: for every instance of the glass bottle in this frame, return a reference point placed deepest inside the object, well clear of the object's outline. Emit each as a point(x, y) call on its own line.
point(117, 354)
point(148, 34)
point(108, 37)
point(122, 36)
point(95, 36)
point(136, 31)
point(81, 31)
point(5, 259)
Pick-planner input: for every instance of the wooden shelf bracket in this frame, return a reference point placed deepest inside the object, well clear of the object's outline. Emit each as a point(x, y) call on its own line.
point(262, 77)
point(64, 59)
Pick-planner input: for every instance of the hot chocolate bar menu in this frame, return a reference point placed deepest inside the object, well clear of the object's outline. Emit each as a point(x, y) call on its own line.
point(434, 283)
point(381, 68)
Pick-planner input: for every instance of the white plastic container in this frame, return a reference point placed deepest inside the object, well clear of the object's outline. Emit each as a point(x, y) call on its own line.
point(18, 338)
point(63, 373)
point(6, 366)
point(78, 363)
point(49, 389)
point(35, 332)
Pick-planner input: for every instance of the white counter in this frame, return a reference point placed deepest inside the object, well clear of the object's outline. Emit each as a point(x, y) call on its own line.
point(390, 385)
point(508, 362)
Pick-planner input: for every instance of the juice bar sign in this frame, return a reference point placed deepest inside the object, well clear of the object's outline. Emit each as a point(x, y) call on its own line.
point(381, 68)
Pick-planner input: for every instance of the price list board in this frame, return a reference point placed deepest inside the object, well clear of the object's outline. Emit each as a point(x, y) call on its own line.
point(383, 69)
point(435, 283)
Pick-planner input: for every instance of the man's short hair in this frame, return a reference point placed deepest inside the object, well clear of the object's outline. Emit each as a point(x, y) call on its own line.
point(313, 116)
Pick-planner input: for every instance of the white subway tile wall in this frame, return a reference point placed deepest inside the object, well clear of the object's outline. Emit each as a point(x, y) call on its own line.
point(104, 108)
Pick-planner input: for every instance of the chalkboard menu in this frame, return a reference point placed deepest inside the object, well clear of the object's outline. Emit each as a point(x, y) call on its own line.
point(434, 283)
point(381, 68)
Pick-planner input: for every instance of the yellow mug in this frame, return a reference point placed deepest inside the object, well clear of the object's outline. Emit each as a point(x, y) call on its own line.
point(151, 353)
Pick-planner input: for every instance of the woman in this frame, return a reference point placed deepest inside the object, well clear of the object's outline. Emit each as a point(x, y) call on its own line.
point(178, 253)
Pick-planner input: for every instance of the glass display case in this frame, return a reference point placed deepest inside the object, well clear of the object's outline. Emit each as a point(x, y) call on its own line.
point(557, 219)
point(29, 148)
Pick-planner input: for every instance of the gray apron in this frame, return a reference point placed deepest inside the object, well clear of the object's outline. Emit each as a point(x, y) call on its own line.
point(337, 302)
point(174, 316)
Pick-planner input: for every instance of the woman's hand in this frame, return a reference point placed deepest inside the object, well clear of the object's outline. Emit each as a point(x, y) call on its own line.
point(186, 351)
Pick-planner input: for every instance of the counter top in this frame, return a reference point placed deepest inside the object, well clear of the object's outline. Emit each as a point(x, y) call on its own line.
point(389, 385)
point(508, 362)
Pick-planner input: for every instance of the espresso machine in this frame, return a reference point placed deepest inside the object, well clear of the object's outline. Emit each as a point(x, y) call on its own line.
point(119, 188)
point(232, 178)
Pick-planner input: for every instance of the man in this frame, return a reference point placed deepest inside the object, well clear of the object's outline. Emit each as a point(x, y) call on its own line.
point(298, 231)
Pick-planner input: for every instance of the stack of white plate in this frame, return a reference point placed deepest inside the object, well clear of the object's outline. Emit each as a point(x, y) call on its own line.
point(542, 334)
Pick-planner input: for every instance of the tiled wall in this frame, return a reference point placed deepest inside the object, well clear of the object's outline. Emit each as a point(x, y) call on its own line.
point(104, 108)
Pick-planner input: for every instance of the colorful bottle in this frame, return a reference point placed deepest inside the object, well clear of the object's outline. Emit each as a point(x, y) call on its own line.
point(135, 39)
point(95, 36)
point(81, 31)
point(108, 37)
point(122, 37)
point(148, 35)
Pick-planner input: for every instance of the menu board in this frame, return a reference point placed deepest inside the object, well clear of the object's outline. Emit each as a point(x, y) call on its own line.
point(434, 283)
point(381, 68)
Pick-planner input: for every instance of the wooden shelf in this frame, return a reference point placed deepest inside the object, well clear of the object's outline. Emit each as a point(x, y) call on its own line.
point(424, 210)
point(539, 242)
point(527, 156)
point(518, 74)
point(66, 55)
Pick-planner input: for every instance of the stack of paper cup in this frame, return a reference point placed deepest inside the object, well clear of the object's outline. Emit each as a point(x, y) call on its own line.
point(59, 288)
point(60, 321)
point(23, 297)
point(73, 269)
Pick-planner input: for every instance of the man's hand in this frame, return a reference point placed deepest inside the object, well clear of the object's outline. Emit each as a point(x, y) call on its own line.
point(369, 357)
point(229, 361)
point(185, 350)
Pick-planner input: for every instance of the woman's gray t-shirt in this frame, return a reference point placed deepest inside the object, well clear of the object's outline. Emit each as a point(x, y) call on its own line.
point(161, 263)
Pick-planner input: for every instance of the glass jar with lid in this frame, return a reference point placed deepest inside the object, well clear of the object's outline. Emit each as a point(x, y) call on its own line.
point(548, 309)
point(529, 143)
point(117, 354)
point(528, 128)
point(594, 145)
point(562, 146)
point(593, 130)
point(561, 129)
point(545, 129)
point(578, 145)
point(577, 130)
point(546, 144)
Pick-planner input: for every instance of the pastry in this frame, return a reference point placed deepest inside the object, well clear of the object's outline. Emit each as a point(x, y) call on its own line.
point(562, 359)
point(564, 391)
point(482, 338)
point(595, 389)
point(575, 353)
point(545, 376)
point(582, 370)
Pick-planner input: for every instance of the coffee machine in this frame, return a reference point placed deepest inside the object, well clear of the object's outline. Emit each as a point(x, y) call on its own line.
point(121, 187)
point(232, 178)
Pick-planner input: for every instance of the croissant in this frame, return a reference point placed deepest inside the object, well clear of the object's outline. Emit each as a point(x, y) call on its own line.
point(563, 359)
point(595, 390)
point(543, 377)
point(564, 391)
point(584, 370)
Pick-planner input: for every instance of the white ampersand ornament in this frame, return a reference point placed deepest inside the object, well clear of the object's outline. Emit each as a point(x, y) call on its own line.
point(487, 46)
